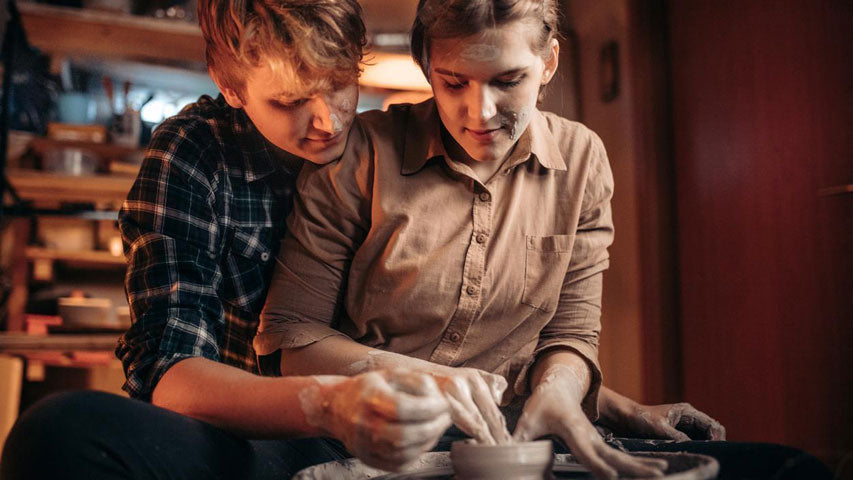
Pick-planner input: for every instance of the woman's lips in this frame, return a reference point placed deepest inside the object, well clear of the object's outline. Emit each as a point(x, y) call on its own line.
point(483, 135)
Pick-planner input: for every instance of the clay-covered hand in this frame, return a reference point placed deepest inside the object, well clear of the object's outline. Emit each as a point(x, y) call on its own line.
point(554, 409)
point(675, 421)
point(473, 396)
point(385, 418)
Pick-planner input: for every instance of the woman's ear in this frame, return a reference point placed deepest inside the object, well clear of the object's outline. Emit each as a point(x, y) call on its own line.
point(552, 61)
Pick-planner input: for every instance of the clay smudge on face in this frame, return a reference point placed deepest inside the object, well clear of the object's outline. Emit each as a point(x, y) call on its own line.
point(515, 122)
point(337, 124)
point(480, 52)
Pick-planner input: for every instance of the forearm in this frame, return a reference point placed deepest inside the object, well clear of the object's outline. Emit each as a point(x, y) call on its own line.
point(235, 400)
point(339, 355)
point(565, 363)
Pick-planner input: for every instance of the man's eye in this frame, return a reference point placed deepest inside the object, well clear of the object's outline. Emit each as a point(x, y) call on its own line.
point(454, 85)
point(289, 105)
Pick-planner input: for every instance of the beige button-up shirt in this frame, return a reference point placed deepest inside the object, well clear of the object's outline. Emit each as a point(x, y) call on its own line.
point(402, 249)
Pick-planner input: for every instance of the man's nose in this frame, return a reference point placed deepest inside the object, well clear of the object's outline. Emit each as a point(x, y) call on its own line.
point(323, 118)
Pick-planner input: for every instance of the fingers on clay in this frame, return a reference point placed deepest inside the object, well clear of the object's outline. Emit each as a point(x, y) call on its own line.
point(632, 466)
point(468, 419)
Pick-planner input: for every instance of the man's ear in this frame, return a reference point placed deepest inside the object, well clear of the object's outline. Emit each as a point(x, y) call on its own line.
point(231, 96)
point(551, 62)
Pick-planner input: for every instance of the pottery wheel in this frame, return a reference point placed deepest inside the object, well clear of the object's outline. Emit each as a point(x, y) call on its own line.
point(437, 466)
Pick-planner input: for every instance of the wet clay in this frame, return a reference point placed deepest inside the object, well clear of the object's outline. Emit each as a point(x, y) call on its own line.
point(515, 123)
point(480, 52)
point(520, 461)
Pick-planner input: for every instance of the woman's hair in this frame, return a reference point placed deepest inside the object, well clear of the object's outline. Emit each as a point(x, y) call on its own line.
point(460, 18)
point(315, 43)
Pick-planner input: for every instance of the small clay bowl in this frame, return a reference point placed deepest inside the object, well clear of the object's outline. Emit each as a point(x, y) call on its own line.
point(520, 461)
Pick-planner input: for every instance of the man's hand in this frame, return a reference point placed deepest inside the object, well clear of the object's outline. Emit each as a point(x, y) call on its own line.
point(473, 396)
point(554, 408)
point(386, 419)
point(674, 421)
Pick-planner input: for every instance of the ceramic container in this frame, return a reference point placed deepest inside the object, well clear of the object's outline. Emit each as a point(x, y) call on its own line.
point(519, 461)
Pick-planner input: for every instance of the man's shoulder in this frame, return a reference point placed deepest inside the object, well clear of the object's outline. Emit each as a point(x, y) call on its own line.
point(205, 120)
point(205, 137)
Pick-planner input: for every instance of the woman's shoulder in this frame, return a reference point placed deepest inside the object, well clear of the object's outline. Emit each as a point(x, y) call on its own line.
point(569, 134)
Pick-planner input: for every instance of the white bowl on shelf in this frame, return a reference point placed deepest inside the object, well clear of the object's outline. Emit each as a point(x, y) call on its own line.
point(81, 312)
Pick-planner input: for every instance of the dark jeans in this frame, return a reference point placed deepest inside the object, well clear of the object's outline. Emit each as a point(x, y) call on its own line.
point(96, 435)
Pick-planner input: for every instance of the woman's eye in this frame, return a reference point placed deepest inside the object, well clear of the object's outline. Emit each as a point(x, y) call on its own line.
point(509, 83)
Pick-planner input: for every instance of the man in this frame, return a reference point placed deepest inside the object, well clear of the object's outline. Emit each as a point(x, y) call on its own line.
point(201, 227)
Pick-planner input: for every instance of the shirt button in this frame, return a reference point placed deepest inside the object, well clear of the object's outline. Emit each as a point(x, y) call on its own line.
point(481, 238)
point(471, 290)
point(485, 197)
point(265, 256)
point(455, 337)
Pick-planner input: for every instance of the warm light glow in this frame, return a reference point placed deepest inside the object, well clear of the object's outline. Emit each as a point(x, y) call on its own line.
point(394, 71)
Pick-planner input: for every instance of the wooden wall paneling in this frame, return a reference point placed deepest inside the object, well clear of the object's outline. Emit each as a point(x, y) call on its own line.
point(596, 23)
point(647, 74)
point(762, 109)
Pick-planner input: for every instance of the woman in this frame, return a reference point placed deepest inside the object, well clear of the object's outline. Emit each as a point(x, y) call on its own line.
point(464, 237)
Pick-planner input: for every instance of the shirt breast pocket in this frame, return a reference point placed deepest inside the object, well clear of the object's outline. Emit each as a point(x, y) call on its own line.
point(247, 266)
point(546, 261)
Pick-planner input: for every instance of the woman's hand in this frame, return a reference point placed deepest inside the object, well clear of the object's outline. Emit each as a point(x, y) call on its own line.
point(473, 396)
point(675, 421)
point(385, 418)
point(554, 408)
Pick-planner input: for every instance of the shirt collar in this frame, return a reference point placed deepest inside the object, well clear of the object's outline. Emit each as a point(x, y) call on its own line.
point(423, 137)
point(423, 141)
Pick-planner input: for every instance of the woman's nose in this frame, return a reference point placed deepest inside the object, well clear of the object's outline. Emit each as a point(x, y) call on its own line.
point(481, 104)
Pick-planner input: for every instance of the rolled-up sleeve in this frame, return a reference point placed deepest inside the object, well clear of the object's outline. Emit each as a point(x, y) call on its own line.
point(329, 221)
point(171, 242)
point(576, 324)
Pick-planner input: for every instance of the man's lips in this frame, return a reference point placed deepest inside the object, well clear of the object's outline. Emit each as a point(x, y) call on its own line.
point(485, 135)
point(326, 140)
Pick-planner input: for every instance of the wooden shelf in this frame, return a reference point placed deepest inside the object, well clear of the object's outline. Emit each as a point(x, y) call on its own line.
point(69, 31)
point(39, 186)
point(92, 257)
point(22, 342)
point(42, 145)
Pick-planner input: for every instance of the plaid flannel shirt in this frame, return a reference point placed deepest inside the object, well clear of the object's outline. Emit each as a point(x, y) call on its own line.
point(201, 229)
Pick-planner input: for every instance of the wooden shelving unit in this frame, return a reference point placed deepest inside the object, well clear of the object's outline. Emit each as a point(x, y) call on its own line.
point(40, 186)
point(41, 145)
point(90, 257)
point(71, 31)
